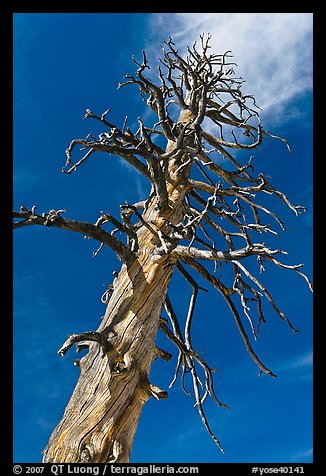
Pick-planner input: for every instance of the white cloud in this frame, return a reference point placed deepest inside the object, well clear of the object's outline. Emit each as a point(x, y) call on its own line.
point(299, 362)
point(302, 456)
point(298, 368)
point(273, 51)
point(189, 434)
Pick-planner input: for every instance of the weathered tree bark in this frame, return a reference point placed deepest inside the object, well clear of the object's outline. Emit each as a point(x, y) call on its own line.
point(101, 418)
point(216, 213)
point(102, 415)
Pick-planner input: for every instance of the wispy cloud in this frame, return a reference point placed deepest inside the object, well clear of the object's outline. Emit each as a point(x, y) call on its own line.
point(45, 424)
point(298, 368)
point(189, 434)
point(299, 362)
point(302, 456)
point(273, 51)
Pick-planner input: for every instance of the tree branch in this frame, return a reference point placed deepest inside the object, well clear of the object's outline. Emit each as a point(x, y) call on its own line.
point(54, 219)
point(182, 252)
point(85, 336)
point(227, 296)
point(266, 293)
point(128, 154)
point(158, 178)
point(188, 357)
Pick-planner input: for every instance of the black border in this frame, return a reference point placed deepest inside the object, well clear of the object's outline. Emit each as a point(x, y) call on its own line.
point(7, 10)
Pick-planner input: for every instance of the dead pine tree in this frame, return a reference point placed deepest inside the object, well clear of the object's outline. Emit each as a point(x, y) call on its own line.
point(204, 211)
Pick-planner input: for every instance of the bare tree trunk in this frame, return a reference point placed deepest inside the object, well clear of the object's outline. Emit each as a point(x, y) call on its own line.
point(101, 418)
point(182, 213)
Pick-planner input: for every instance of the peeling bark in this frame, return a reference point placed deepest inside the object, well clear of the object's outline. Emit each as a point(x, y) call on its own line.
point(103, 413)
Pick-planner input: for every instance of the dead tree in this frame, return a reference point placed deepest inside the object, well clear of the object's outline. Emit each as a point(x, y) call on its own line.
point(204, 207)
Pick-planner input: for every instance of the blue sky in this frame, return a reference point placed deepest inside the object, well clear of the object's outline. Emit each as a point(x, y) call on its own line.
point(65, 63)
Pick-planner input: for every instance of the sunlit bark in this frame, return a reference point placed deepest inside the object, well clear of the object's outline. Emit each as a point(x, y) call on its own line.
point(198, 211)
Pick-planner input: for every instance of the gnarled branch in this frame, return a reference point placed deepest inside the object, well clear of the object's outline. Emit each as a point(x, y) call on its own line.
point(54, 219)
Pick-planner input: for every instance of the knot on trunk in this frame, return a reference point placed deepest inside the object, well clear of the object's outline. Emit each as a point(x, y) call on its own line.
point(148, 389)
